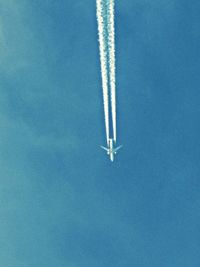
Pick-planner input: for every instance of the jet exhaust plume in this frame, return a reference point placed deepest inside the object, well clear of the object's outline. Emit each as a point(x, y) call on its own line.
point(103, 60)
point(106, 33)
point(111, 46)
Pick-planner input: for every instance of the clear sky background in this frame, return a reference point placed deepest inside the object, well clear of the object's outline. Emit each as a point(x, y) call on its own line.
point(62, 202)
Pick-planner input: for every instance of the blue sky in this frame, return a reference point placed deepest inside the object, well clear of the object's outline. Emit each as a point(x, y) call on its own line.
point(62, 203)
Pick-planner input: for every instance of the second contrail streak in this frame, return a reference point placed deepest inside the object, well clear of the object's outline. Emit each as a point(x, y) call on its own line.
point(111, 46)
point(106, 32)
point(103, 59)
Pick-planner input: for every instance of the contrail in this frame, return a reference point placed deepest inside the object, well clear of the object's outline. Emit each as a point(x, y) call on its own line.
point(103, 59)
point(106, 31)
point(111, 47)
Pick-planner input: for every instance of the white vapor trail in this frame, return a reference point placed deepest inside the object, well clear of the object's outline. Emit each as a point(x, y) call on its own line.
point(106, 32)
point(103, 59)
point(111, 47)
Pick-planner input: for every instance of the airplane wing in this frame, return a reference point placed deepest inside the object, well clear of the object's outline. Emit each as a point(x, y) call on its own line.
point(117, 148)
point(105, 148)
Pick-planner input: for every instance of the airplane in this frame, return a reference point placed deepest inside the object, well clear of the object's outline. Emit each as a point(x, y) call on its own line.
point(111, 151)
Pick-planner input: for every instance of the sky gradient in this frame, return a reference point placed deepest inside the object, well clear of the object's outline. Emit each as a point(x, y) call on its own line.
point(62, 202)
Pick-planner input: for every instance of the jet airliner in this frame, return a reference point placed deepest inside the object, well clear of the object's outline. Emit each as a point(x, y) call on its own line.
point(111, 151)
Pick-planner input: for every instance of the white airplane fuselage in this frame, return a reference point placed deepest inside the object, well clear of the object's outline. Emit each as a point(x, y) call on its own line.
point(111, 151)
